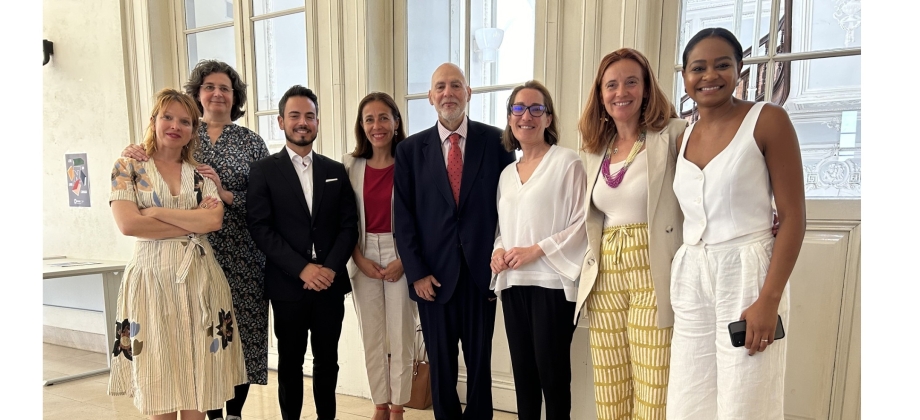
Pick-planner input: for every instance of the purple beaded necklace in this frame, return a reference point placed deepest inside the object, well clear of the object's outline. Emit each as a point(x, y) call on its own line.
point(614, 181)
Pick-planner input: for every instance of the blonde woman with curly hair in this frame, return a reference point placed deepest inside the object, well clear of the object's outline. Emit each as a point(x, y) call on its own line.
point(176, 349)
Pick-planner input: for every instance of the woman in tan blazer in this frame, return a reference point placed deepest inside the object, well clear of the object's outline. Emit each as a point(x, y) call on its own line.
point(629, 131)
point(385, 312)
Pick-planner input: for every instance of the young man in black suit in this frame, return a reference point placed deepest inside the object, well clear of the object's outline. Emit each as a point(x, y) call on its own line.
point(301, 213)
point(446, 178)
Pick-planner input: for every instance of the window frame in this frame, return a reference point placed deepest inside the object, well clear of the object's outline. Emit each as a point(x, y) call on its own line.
point(671, 26)
point(669, 65)
point(401, 52)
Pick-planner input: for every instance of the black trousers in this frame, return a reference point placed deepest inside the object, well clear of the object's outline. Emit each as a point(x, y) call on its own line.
point(538, 322)
point(319, 317)
point(468, 317)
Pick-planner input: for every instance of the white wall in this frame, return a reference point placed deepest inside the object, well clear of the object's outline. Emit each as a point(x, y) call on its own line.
point(84, 110)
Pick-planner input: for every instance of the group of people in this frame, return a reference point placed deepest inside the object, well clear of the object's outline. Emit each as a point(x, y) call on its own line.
point(660, 233)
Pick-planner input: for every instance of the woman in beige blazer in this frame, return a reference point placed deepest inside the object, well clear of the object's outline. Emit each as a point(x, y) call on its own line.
point(386, 315)
point(629, 131)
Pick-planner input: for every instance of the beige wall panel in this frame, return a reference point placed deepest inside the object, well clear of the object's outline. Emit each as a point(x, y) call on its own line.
point(354, 58)
point(845, 402)
point(328, 81)
point(576, 66)
point(612, 27)
point(377, 29)
point(851, 393)
point(815, 297)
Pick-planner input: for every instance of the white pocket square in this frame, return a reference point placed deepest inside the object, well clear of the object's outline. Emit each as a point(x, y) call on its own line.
point(332, 179)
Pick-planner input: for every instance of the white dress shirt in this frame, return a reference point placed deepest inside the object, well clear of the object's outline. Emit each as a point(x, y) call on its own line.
point(445, 143)
point(304, 168)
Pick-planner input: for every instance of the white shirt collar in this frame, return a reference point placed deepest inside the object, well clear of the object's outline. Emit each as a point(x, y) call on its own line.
point(305, 161)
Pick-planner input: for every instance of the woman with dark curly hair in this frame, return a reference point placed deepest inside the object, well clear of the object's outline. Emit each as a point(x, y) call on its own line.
point(226, 151)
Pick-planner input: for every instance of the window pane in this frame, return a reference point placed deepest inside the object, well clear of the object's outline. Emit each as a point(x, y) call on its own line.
point(421, 115)
point(281, 57)
point(490, 107)
point(261, 7)
point(825, 107)
point(429, 40)
point(216, 44)
point(825, 24)
point(486, 108)
point(200, 13)
point(268, 129)
point(698, 15)
point(501, 42)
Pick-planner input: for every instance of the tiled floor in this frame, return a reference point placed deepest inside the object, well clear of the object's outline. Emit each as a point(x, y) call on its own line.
point(85, 399)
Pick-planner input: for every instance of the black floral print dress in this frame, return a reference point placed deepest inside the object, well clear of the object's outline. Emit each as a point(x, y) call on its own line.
point(236, 253)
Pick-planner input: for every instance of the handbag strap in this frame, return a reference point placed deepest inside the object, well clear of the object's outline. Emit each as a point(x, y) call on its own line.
point(421, 350)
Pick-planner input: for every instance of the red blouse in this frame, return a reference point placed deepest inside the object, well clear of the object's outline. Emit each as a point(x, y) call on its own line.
point(378, 195)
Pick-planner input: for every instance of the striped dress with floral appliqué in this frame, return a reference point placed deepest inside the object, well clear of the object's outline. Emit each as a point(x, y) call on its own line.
point(176, 346)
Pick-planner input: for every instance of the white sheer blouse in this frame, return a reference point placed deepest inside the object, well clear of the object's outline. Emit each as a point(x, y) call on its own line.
point(547, 210)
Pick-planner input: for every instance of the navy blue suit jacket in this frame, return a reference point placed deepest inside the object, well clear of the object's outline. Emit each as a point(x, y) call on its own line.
point(432, 231)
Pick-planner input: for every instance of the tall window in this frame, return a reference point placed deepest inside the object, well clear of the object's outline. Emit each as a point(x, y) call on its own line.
point(493, 41)
point(805, 56)
point(272, 36)
point(209, 32)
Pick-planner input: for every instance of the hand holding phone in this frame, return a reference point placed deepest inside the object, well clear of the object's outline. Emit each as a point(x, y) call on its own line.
point(738, 331)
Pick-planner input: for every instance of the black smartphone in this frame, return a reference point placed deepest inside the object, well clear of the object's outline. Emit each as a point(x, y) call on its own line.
point(738, 331)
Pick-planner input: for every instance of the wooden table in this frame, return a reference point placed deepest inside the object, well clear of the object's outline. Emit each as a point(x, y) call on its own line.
point(58, 267)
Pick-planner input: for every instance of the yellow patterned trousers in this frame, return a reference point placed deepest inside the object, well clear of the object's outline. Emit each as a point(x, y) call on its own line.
point(630, 354)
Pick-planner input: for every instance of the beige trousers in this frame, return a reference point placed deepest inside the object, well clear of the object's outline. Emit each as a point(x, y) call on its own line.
point(386, 317)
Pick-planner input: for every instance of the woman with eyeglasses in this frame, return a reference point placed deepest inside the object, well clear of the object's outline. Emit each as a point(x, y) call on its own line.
point(629, 134)
point(226, 151)
point(538, 252)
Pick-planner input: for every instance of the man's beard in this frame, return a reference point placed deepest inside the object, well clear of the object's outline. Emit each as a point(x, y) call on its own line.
point(299, 142)
point(453, 115)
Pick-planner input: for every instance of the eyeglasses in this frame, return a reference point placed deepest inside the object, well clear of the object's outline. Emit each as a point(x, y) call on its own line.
point(210, 88)
point(535, 110)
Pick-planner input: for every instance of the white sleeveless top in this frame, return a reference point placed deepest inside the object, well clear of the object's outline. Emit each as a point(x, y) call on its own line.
point(732, 195)
point(627, 203)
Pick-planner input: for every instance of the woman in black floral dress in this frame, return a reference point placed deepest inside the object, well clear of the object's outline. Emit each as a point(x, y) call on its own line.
point(225, 153)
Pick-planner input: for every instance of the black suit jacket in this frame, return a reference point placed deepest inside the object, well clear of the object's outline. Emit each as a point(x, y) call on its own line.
point(432, 231)
point(284, 229)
